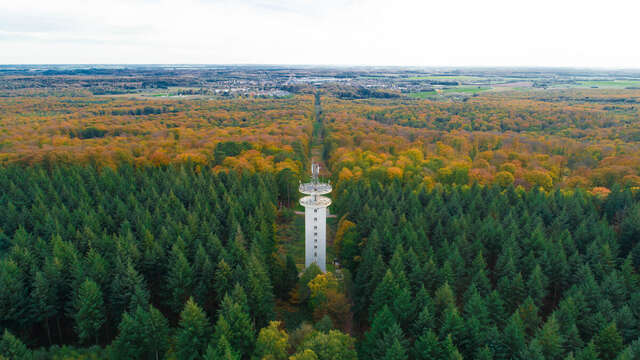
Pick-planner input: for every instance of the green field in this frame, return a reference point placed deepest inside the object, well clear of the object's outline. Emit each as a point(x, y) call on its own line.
point(424, 94)
point(467, 90)
point(454, 90)
point(610, 83)
point(447, 77)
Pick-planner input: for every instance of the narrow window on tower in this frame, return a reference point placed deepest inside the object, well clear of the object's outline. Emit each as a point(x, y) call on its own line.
point(315, 219)
point(315, 210)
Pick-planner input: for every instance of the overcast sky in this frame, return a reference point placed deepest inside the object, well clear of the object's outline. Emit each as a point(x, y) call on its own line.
point(336, 32)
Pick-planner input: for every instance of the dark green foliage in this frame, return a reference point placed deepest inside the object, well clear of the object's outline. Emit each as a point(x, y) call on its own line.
point(396, 351)
point(229, 148)
point(427, 347)
point(384, 331)
point(473, 272)
point(194, 332)
point(142, 335)
point(88, 311)
point(235, 325)
point(608, 342)
point(221, 351)
point(12, 348)
point(522, 274)
point(588, 353)
point(143, 236)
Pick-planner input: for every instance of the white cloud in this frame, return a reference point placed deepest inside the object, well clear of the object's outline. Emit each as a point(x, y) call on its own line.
point(342, 32)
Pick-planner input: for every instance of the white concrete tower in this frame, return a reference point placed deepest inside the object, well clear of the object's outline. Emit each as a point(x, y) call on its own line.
point(315, 219)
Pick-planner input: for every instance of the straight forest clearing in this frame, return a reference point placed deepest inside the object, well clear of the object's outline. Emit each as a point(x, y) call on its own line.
point(291, 232)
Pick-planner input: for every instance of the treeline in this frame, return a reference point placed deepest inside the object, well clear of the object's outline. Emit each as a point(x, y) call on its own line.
point(487, 272)
point(156, 262)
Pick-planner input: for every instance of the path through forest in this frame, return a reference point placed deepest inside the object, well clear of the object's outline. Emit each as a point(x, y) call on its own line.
point(317, 138)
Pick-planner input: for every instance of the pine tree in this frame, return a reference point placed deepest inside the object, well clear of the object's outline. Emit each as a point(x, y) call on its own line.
point(221, 351)
point(260, 292)
point(452, 326)
point(88, 311)
point(180, 279)
point(423, 322)
point(142, 335)
point(222, 280)
point(444, 300)
point(496, 309)
point(44, 299)
point(550, 340)
point(588, 353)
point(537, 285)
point(533, 351)
point(385, 294)
point(514, 336)
point(427, 346)
point(403, 308)
point(608, 342)
point(12, 348)
point(450, 351)
point(372, 345)
point(13, 294)
point(528, 312)
point(123, 295)
point(204, 272)
point(515, 294)
point(484, 353)
point(194, 332)
point(236, 326)
point(396, 352)
point(475, 306)
point(573, 341)
point(627, 324)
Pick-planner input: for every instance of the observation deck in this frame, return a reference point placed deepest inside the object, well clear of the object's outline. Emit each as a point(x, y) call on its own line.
point(315, 188)
point(314, 201)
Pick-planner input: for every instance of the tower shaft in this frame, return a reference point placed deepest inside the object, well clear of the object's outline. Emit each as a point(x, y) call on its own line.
point(315, 237)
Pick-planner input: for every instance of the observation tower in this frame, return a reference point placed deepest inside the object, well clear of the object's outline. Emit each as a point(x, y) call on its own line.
point(315, 219)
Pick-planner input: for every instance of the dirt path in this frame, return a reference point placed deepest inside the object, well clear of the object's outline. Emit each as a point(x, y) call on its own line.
point(317, 139)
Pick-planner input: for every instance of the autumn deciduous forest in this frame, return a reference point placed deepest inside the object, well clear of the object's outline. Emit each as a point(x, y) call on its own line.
point(505, 225)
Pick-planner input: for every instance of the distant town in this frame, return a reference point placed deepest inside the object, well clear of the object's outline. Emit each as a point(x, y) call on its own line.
point(226, 81)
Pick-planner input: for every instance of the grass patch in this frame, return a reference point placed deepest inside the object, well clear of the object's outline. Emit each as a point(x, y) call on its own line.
point(466, 90)
point(610, 83)
point(453, 90)
point(447, 77)
point(423, 94)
